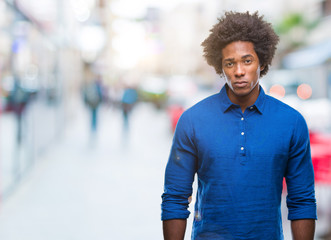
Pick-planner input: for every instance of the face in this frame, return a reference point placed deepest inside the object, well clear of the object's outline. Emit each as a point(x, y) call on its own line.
point(241, 69)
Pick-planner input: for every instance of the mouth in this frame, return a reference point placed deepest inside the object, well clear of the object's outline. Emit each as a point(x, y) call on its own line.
point(240, 84)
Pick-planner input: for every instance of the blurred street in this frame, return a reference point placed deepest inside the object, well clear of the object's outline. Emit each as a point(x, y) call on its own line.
point(105, 187)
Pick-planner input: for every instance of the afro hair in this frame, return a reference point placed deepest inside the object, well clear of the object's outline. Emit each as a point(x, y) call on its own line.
point(235, 26)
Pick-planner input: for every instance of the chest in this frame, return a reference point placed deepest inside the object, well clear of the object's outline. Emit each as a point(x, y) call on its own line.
point(256, 141)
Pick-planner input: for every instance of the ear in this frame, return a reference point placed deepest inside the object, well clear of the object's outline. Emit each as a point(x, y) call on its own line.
point(261, 68)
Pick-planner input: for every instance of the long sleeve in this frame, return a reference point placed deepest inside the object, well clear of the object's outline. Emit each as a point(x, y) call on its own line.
point(299, 176)
point(180, 171)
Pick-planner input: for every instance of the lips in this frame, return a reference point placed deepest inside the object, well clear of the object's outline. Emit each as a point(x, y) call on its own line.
point(240, 84)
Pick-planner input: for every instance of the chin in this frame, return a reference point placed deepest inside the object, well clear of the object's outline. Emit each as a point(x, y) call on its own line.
point(242, 92)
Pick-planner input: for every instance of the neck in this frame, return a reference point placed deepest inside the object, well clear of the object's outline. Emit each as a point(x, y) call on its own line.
point(246, 100)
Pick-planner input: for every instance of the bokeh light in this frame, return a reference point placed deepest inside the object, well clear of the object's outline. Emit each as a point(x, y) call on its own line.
point(277, 91)
point(304, 91)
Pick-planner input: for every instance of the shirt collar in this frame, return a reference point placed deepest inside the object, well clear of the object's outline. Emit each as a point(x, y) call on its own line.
point(226, 102)
point(259, 103)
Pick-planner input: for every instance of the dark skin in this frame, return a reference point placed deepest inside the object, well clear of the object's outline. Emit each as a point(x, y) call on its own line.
point(241, 68)
point(303, 229)
point(174, 229)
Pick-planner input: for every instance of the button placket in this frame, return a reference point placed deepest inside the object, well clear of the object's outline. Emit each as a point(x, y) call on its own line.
point(242, 146)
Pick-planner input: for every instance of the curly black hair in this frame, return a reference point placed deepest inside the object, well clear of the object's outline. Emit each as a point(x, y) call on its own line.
point(235, 26)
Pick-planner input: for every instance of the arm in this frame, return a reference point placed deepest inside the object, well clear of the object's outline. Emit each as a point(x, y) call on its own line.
point(299, 176)
point(174, 229)
point(179, 176)
point(303, 229)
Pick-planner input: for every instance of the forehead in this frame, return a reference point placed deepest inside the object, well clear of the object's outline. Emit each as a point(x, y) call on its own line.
point(238, 49)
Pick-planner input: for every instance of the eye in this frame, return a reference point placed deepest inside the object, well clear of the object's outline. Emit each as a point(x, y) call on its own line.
point(228, 64)
point(248, 61)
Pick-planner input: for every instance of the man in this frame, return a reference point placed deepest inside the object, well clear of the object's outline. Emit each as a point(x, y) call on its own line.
point(241, 143)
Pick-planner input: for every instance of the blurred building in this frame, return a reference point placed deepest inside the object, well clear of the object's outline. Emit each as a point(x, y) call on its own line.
point(307, 63)
point(43, 48)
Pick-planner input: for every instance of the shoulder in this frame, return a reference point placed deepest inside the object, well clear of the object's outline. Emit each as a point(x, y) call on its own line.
point(281, 110)
point(281, 107)
point(199, 112)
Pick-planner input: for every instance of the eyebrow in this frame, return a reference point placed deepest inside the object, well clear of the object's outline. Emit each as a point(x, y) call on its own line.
point(248, 55)
point(243, 57)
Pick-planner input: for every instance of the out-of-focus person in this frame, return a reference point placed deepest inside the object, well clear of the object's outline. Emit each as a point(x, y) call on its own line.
point(18, 99)
point(93, 96)
point(241, 143)
point(129, 99)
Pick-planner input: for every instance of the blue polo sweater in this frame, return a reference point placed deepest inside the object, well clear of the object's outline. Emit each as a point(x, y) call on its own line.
point(240, 160)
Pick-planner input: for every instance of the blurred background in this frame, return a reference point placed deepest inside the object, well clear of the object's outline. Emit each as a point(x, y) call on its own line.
point(91, 91)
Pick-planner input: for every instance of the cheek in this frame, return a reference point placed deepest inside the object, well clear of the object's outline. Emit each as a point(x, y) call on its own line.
point(225, 76)
point(255, 73)
point(257, 77)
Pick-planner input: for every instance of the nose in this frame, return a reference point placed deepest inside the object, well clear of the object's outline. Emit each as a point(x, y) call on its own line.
point(239, 70)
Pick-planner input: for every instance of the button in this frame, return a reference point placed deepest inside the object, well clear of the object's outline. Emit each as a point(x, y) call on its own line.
point(242, 119)
point(242, 148)
point(251, 108)
point(242, 133)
